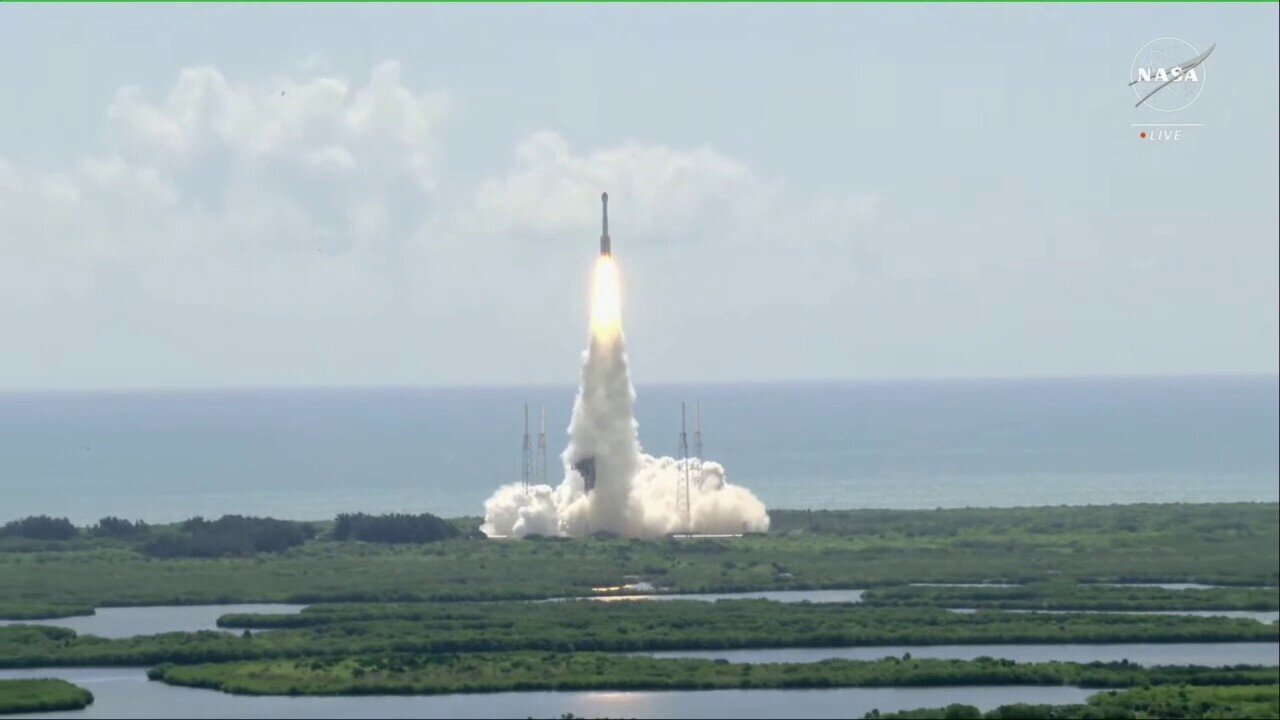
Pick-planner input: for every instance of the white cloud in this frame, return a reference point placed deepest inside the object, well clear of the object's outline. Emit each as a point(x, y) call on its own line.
point(333, 157)
point(285, 119)
point(659, 194)
point(275, 198)
point(307, 197)
point(665, 190)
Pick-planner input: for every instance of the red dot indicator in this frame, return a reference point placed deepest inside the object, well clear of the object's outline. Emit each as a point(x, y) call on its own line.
point(1143, 134)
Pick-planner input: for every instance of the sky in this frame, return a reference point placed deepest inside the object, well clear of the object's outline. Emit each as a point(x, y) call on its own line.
point(256, 195)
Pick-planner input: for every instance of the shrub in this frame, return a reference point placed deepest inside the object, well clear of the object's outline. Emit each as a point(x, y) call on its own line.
point(394, 528)
point(39, 527)
point(115, 527)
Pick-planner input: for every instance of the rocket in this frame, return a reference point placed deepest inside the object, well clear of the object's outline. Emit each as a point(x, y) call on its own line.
point(605, 248)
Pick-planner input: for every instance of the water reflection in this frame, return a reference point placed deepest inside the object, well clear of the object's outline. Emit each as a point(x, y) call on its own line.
point(784, 596)
point(978, 585)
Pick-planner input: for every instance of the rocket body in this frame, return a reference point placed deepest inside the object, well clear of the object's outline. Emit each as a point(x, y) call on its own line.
point(606, 246)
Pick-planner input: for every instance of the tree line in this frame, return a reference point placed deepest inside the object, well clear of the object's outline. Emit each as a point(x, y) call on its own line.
point(233, 535)
point(394, 528)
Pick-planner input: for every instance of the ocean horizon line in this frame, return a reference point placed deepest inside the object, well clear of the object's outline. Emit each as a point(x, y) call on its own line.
point(499, 386)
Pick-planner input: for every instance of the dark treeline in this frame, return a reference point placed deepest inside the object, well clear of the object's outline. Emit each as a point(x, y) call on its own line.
point(39, 527)
point(43, 527)
point(115, 527)
point(394, 528)
point(229, 535)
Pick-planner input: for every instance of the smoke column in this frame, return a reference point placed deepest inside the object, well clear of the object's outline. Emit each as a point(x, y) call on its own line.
point(634, 493)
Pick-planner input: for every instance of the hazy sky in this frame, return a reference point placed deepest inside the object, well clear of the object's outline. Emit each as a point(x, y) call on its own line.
point(264, 195)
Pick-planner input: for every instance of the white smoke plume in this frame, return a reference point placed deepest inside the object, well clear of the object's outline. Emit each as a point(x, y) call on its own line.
point(635, 494)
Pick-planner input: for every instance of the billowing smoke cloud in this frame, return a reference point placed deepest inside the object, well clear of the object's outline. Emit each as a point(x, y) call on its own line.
point(634, 494)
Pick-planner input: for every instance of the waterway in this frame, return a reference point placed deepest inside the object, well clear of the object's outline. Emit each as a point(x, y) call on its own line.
point(123, 622)
point(784, 596)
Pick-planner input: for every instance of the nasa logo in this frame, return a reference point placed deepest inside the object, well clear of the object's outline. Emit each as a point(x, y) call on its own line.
point(1160, 74)
point(1168, 74)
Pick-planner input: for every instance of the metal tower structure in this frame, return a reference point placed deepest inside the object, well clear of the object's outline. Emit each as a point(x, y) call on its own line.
point(526, 459)
point(697, 436)
point(682, 481)
point(542, 445)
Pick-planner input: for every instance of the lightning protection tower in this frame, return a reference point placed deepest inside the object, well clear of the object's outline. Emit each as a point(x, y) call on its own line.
point(682, 480)
point(542, 446)
point(526, 459)
point(697, 437)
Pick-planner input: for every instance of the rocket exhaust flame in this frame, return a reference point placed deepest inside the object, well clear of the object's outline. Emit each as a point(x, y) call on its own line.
point(609, 483)
point(606, 301)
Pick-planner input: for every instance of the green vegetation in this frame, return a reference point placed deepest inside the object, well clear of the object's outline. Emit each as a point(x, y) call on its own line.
point(115, 527)
point(744, 623)
point(41, 611)
point(40, 527)
point(1069, 596)
point(591, 626)
point(229, 535)
point(1251, 701)
point(1231, 544)
point(1245, 702)
point(385, 632)
point(1096, 520)
point(430, 674)
point(23, 696)
point(396, 528)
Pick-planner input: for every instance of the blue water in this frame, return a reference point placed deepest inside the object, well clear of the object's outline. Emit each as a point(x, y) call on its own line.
point(310, 453)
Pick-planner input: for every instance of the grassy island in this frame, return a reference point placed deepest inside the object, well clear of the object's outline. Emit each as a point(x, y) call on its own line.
point(25, 696)
point(485, 672)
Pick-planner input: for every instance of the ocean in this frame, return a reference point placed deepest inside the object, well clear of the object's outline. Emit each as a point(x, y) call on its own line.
point(312, 453)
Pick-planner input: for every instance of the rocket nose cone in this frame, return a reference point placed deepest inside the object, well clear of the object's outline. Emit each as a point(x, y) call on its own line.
point(604, 197)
